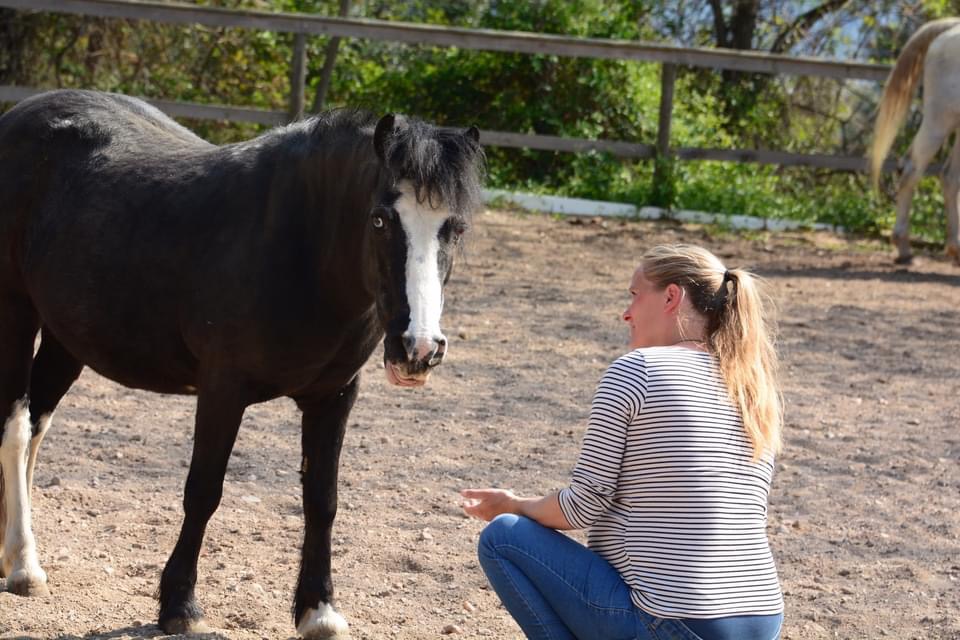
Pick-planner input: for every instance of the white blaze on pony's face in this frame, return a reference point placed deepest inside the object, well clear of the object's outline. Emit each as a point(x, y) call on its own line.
point(422, 224)
point(432, 185)
point(425, 269)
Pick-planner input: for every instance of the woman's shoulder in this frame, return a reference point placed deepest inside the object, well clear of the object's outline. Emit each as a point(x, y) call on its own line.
point(626, 380)
point(635, 359)
point(630, 369)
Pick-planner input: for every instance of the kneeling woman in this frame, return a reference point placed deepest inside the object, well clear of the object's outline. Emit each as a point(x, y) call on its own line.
point(672, 479)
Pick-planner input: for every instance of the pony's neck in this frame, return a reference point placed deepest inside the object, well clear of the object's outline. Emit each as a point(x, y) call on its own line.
point(326, 185)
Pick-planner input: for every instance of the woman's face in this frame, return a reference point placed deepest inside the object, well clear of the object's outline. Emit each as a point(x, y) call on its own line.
point(646, 314)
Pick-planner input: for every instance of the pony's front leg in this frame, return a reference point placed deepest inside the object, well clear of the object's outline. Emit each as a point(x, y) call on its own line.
point(219, 411)
point(324, 422)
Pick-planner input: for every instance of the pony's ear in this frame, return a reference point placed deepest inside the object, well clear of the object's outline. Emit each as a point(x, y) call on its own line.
point(473, 133)
point(383, 131)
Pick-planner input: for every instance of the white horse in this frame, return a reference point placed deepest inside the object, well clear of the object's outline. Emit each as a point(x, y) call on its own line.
point(934, 48)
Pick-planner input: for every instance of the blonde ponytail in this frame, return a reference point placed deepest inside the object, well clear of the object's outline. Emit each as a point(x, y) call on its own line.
point(743, 343)
point(739, 332)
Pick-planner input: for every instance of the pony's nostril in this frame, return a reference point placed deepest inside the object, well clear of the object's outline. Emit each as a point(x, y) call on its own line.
point(440, 348)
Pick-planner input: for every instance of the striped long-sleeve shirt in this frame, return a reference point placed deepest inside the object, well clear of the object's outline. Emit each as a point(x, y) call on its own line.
point(666, 484)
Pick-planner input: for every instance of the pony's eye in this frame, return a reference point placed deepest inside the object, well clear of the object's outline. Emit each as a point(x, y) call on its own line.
point(454, 228)
point(379, 216)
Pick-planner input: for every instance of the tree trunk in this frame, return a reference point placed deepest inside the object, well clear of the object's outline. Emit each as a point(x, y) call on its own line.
point(15, 33)
point(742, 89)
point(329, 59)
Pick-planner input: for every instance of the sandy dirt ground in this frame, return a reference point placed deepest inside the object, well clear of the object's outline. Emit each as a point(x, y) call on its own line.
point(865, 509)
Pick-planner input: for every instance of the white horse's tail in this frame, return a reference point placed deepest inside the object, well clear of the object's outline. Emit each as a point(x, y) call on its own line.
point(898, 91)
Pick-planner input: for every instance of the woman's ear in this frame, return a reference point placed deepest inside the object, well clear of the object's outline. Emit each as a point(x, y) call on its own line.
point(672, 298)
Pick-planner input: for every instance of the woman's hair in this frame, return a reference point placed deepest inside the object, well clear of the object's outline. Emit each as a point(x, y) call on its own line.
point(738, 332)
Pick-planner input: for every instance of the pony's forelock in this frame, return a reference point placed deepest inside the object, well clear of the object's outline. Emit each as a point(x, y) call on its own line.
point(444, 166)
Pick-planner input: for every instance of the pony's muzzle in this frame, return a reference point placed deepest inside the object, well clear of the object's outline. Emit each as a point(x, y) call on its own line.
point(425, 351)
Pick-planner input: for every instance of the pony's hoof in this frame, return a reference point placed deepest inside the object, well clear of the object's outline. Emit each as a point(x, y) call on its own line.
point(323, 623)
point(184, 626)
point(908, 259)
point(24, 584)
point(186, 618)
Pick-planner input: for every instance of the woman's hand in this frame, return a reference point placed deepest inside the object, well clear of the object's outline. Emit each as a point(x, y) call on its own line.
point(487, 504)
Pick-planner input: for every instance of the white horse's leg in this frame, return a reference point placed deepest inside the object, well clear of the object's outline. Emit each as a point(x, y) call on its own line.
point(950, 180)
point(20, 563)
point(925, 145)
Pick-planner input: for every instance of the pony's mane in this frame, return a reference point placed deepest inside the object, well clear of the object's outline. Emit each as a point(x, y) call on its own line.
point(318, 131)
point(337, 119)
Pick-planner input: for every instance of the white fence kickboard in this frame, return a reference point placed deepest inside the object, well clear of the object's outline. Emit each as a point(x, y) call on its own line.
point(589, 208)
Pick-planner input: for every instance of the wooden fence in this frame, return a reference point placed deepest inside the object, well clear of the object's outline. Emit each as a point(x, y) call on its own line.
point(303, 25)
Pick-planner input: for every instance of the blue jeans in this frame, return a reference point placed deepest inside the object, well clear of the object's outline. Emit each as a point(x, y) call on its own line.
point(557, 589)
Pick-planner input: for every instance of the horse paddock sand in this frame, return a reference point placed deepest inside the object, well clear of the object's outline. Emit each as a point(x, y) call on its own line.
point(865, 508)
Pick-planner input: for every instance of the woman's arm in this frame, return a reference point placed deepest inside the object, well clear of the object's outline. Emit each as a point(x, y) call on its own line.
point(487, 504)
point(616, 402)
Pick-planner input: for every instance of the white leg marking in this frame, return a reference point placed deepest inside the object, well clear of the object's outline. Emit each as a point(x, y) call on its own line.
point(323, 622)
point(422, 223)
point(3, 518)
point(43, 425)
point(19, 561)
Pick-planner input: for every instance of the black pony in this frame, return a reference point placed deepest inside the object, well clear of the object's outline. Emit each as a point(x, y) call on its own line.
point(238, 273)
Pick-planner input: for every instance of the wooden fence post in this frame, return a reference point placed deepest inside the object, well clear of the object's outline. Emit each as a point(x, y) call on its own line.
point(298, 76)
point(662, 174)
point(668, 76)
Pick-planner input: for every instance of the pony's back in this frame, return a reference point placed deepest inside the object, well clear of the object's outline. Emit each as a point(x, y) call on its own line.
point(90, 119)
point(57, 142)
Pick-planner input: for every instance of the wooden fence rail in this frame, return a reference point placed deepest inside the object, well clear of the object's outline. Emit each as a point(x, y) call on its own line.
point(484, 39)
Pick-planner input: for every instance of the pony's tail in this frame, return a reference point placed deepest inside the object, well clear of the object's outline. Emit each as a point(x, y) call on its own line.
point(898, 91)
